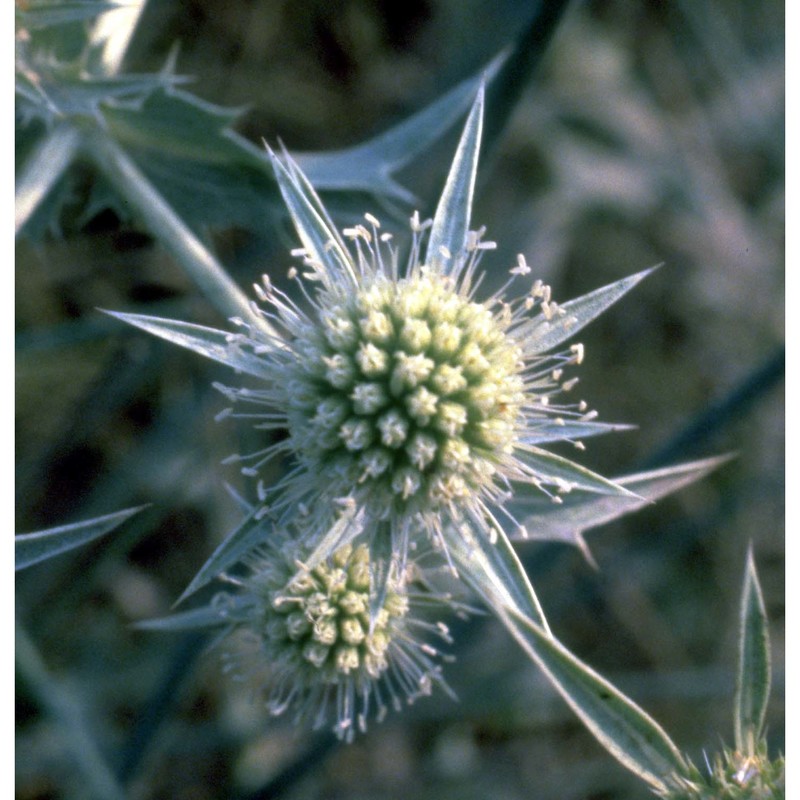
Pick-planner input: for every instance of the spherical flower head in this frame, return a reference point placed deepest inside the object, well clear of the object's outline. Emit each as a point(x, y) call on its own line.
point(406, 398)
point(327, 654)
point(407, 391)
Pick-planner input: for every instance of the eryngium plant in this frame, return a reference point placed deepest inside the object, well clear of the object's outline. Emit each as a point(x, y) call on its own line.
point(411, 405)
point(412, 409)
point(745, 771)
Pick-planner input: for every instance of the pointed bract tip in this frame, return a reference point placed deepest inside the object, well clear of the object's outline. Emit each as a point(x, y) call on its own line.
point(581, 544)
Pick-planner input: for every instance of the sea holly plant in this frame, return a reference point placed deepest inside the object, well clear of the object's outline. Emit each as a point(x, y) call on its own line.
point(413, 410)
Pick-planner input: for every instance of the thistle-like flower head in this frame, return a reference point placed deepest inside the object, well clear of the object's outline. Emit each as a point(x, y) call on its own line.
point(405, 395)
point(410, 404)
point(312, 631)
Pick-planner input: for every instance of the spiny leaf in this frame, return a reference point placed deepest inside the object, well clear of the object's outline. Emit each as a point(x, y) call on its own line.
point(210, 616)
point(451, 221)
point(570, 430)
point(541, 334)
point(206, 171)
point(633, 737)
point(212, 175)
point(31, 548)
point(331, 263)
point(753, 677)
point(368, 166)
point(245, 537)
point(233, 350)
point(579, 511)
point(178, 124)
point(493, 570)
point(555, 470)
point(67, 92)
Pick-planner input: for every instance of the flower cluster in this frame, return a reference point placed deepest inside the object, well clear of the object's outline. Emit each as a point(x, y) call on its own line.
point(411, 410)
point(313, 630)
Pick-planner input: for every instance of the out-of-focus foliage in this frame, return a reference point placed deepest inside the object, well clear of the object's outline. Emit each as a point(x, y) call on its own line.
point(646, 135)
point(31, 548)
point(186, 146)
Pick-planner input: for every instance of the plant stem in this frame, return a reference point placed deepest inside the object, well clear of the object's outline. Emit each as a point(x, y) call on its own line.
point(168, 227)
point(41, 171)
point(57, 701)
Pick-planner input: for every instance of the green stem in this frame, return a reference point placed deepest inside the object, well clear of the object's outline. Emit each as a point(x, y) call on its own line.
point(168, 227)
point(42, 170)
point(58, 702)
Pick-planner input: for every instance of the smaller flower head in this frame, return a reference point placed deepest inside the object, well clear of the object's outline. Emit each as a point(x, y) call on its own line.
point(328, 655)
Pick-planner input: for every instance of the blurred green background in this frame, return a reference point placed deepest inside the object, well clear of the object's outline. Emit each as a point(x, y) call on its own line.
point(648, 133)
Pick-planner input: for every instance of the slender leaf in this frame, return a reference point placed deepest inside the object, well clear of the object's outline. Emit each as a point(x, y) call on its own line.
point(579, 511)
point(448, 235)
point(31, 548)
point(569, 430)
point(227, 348)
point(753, 677)
point(634, 738)
point(540, 334)
point(332, 264)
point(493, 570)
point(252, 531)
point(202, 618)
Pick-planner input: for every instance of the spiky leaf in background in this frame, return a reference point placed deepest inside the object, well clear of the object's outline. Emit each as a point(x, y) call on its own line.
point(31, 548)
